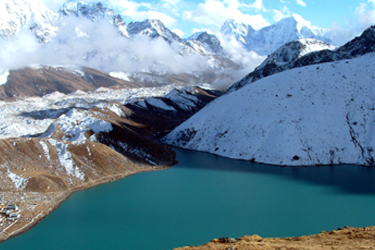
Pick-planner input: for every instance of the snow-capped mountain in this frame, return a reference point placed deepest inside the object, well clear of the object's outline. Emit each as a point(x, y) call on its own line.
point(308, 52)
point(95, 12)
point(34, 15)
point(315, 115)
point(153, 29)
point(239, 30)
point(268, 39)
point(210, 43)
point(202, 44)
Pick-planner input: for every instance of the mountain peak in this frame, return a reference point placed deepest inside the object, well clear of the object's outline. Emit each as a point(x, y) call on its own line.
point(153, 28)
point(94, 11)
point(232, 27)
point(195, 35)
point(268, 39)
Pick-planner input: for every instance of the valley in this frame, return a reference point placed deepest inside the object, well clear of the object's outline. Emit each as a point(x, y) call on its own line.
point(87, 98)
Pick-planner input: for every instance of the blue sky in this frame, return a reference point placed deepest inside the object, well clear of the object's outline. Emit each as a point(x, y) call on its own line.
point(343, 18)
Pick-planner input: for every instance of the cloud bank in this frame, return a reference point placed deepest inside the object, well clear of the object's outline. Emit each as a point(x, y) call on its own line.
point(98, 45)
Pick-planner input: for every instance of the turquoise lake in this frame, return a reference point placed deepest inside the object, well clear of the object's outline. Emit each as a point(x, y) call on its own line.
point(206, 197)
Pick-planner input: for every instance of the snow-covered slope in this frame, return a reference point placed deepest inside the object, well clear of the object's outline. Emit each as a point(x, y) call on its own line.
point(34, 15)
point(315, 115)
point(309, 52)
point(268, 39)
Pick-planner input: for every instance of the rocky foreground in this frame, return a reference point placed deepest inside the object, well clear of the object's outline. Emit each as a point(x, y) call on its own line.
point(343, 238)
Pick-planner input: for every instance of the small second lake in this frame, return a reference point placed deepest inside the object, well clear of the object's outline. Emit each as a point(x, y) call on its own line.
point(206, 197)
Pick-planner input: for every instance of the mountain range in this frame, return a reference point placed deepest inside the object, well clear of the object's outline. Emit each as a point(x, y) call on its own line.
point(47, 26)
point(67, 127)
point(268, 39)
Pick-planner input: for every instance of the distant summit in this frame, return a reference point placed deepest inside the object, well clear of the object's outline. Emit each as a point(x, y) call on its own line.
point(268, 39)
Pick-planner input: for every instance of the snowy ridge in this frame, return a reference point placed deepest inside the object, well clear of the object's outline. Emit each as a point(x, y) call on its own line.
point(315, 115)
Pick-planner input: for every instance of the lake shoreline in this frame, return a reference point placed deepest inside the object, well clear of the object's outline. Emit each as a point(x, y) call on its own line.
point(20, 228)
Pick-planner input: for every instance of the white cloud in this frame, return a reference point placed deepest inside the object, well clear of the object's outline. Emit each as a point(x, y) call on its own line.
point(364, 18)
point(132, 9)
point(258, 4)
point(165, 19)
point(171, 5)
point(301, 3)
point(214, 12)
point(278, 15)
point(179, 32)
point(366, 13)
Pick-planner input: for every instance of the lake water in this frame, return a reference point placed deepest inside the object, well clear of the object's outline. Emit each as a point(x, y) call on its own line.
point(206, 197)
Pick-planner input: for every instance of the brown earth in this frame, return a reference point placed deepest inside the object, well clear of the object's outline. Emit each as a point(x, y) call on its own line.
point(343, 238)
point(46, 80)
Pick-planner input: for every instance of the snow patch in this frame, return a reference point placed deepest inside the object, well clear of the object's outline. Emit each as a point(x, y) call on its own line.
point(18, 181)
point(160, 104)
point(4, 77)
point(67, 162)
point(115, 108)
point(46, 150)
point(120, 75)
